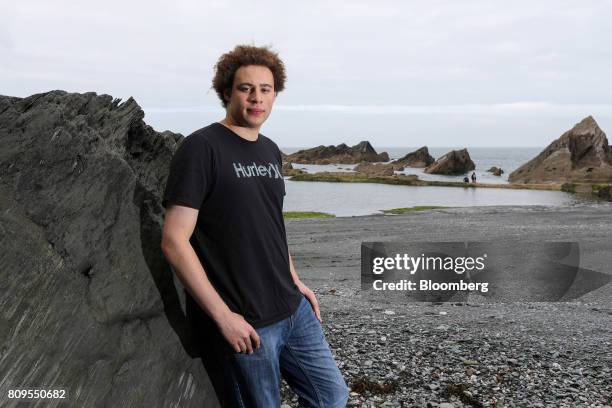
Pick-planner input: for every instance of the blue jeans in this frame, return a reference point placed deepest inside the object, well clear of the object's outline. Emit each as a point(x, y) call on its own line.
point(296, 348)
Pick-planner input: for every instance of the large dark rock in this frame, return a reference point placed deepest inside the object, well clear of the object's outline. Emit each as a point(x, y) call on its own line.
point(453, 162)
point(341, 154)
point(87, 301)
point(418, 158)
point(581, 154)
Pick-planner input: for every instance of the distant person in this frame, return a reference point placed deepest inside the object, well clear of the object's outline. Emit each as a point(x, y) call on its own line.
point(466, 179)
point(224, 235)
point(473, 177)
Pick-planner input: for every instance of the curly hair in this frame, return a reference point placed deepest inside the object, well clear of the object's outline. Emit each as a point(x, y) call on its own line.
point(242, 55)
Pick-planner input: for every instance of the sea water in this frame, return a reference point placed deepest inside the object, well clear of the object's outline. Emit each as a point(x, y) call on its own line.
point(349, 199)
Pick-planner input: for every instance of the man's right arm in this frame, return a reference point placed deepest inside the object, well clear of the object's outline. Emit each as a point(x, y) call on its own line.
point(179, 224)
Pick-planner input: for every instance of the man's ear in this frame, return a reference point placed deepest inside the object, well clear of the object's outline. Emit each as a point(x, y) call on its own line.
point(227, 94)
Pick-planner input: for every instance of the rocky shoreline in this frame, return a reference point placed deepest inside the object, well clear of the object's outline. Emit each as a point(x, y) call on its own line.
point(580, 160)
point(594, 191)
point(413, 180)
point(395, 353)
point(456, 355)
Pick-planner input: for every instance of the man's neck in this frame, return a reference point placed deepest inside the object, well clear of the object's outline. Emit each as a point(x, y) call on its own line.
point(250, 134)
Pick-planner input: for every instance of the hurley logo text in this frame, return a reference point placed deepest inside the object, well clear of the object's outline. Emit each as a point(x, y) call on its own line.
point(257, 170)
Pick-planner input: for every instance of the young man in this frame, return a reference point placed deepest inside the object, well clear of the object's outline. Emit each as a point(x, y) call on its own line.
point(225, 237)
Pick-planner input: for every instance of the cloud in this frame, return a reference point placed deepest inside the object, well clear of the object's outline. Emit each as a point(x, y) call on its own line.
point(345, 59)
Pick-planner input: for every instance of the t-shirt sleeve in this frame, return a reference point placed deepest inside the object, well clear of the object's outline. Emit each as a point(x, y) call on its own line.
point(190, 175)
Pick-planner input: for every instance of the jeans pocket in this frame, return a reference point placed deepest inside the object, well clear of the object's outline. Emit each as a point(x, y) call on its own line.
point(312, 322)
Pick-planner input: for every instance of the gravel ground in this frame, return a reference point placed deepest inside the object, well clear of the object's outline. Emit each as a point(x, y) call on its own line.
point(395, 353)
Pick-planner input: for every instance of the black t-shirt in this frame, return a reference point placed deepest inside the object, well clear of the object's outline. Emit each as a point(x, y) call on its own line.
point(240, 238)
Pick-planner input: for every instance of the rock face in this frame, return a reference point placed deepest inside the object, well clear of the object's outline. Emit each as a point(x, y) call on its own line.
point(87, 301)
point(289, 171)
point(341, 154)
point(372, 169)
point(287, 166)
point(581, 154)
point(453, 162)
point(418, 158)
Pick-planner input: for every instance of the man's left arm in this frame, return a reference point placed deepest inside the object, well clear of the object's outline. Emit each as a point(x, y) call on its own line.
point(305, 290)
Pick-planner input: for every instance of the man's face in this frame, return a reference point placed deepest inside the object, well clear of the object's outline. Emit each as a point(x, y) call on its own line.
point(250, 102)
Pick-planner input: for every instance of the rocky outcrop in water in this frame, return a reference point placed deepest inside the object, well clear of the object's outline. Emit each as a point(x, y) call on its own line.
point(453, 162)
point(341, 154)
point(374, 169)
point(496, 171)
point(418, 158)
point(87, 301)
point(581, 154)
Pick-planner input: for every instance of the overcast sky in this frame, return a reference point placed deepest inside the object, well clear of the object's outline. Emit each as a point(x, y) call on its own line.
point(396, 73)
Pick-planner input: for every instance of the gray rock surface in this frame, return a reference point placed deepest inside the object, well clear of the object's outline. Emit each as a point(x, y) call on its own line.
point(581, 154)
point(453, 162)
point(87, 302)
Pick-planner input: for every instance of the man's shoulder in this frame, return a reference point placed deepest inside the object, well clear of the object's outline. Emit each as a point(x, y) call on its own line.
point(204, 139)
point(266, 140)
point(214, 134)
point(206, 134)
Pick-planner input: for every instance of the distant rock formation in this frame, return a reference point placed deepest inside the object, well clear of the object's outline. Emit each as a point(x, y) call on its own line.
point(288, 170)
point(88, 300)
point(341, 154)
point(418, 158)
point(581, 154)
point(375, 169)
point(497, 171)
point(453, 162)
